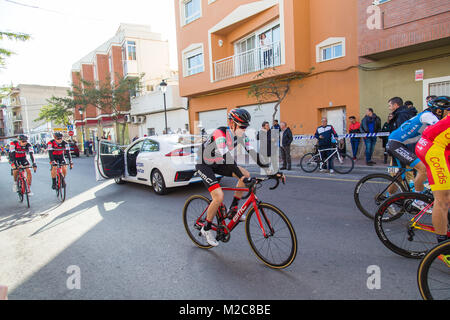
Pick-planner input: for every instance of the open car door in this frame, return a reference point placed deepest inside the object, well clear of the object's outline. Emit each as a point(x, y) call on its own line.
point(109, 160)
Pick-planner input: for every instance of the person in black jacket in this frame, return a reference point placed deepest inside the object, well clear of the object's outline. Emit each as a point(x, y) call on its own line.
point(387, 127)
point(371, 123)
point(400, 112)
point(285, 147)
point(324, 135)
point(411, 108)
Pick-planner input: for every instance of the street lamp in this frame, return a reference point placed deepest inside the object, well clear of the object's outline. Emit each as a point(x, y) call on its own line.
point(163, 87)
point(80, 110)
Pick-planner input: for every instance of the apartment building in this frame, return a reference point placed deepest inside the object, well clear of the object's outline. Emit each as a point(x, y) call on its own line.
point(404, 50)
point(227, 47)
point(132, 51)
point(23, 105)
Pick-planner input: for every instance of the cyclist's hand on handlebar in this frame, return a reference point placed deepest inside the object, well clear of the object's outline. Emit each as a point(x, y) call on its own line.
point(71, 165)
point(280, 176)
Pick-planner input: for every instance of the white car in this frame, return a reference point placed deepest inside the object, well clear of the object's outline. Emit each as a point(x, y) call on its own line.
point(161, 162)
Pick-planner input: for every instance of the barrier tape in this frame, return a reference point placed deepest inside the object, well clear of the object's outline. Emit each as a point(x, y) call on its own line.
point(349, 135)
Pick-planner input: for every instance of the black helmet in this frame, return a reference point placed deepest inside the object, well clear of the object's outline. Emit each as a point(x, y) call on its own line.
point(23, 137)
point(442, 102)
point(240, 116)
point(58, 135)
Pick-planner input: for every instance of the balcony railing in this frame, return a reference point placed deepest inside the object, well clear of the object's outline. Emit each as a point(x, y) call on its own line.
point(247, 62)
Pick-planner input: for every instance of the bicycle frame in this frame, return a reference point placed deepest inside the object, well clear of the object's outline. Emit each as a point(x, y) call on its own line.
point(415, 221)
point(21, 176)
point(330, 156)
point(251, 200)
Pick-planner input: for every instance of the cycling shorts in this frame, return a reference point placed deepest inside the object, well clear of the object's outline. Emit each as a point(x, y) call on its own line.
point(436, 159)
point(208, 173)
point(399, 151)
point(59, 159)
point(21, 162)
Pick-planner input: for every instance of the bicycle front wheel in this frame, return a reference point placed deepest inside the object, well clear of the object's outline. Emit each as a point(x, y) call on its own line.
point(278, 247)
point(433, 274)
point(309, 162)
point(372, 190)
point(61, 188)
point(403, 227)
point(19, 189)
point(342, 163)
point(194, 217)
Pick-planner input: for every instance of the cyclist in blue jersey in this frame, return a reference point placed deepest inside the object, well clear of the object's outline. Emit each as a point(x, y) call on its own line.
point(409, 133)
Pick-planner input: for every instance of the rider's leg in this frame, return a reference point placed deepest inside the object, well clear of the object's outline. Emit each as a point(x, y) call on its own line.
point(64, 170)
point(440, 213)
point(217, 199)
point(29, 177)
point(421, 176)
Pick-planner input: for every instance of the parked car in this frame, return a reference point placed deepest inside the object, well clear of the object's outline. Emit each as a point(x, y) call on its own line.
point(161, 162)
point(74, 149)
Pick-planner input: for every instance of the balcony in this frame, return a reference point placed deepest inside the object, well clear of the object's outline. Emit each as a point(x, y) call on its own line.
point(247, 62)
point(17, 118)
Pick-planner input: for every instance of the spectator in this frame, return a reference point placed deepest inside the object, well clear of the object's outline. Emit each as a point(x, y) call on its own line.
point(371, 123)
point(86, 148)
point(91, 144)
point(275, 125)
point(354, 128)
point(286, 140)
point(399, 111)
point(411, 108)
point(324, 134)
point(387, 127)
point(135, 138)
point(265, 135)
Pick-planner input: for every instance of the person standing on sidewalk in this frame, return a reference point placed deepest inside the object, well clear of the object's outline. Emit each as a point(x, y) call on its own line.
point(371, 123)
point(387, 127)
point(354, 128)
point(265, 136)
point(286, 140)
point(324, 134)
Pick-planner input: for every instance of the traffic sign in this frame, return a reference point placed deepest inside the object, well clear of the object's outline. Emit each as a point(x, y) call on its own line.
point(71, 133)
point(70, 127)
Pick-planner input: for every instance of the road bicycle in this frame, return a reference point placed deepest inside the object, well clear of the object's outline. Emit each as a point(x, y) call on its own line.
point(342, 162)
point(433, 274)
point(269, 232)
point(60, 182)
point(374, 188)
point(405, 228)
point(23, 189)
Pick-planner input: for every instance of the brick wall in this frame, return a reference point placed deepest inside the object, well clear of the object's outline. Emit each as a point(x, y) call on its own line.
point(404, 23)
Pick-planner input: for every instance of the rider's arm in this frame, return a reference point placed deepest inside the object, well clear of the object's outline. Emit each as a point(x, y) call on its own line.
point(50, 151)
point(31, 153)
point(67, 152)
point(428, 118)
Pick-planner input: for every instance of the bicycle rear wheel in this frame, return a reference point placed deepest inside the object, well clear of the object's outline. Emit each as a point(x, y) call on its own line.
point(372, 190)
point(397, 227)
point(342, 163)
point(310, 162)
point(194, 217)
point(433, 274)
point(278, 248)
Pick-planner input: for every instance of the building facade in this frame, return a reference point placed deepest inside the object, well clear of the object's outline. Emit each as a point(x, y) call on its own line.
point(23, 105)
point(404, 51)
point(133, 51)
point(226, 48)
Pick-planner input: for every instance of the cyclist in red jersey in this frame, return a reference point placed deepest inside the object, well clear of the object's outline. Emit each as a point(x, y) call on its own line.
point(56, 149)
point(18, 157)
point(434, 151)
point(216, 157)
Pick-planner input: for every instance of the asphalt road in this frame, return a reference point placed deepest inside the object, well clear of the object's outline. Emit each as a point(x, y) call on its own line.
point(111, 241)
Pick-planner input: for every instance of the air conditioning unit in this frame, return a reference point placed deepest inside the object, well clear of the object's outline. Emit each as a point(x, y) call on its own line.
point(133, 119)
point(127, 118)
point(141, 119)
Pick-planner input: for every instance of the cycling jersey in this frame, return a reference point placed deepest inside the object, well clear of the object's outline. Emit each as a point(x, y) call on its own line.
point(410, 131)
point(18, 153)
point(434, 150)
point(56, 150)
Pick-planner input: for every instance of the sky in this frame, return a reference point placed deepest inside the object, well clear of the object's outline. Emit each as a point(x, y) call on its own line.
point(64, 31)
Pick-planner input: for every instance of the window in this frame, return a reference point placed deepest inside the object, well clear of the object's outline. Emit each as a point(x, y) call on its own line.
point(330, 49)
point(193, 60)
point(191, 10)
point(131, 48)
point(150, 146)
point(332, 52)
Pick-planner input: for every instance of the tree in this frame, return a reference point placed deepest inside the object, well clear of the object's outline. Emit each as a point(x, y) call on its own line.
point(273, 87)
point(55, 112)
point(11, 36)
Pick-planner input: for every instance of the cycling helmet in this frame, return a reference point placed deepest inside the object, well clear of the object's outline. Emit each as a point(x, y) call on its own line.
point(58, 135)
point(23, 137)
point(442, 102)
point(240, 116)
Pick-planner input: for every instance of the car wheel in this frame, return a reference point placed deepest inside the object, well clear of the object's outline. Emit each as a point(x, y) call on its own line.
point(158, 184)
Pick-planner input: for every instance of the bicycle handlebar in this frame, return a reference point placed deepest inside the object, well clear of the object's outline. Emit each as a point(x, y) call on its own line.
point(252, 182)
